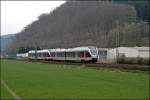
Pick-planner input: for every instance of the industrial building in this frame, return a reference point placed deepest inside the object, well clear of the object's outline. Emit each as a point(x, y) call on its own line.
point(110, 54)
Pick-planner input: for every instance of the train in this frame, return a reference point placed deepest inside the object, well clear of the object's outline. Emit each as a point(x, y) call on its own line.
point(39, 54)
point(77, 54)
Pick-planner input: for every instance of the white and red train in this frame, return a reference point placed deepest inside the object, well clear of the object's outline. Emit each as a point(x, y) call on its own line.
point(78, 54)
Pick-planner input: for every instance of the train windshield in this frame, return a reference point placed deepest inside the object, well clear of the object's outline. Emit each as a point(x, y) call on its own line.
point(93, 50)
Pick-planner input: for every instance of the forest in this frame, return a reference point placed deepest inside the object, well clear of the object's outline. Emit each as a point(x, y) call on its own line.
point(102, 23)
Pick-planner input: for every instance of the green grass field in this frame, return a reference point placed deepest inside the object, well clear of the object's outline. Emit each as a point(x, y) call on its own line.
point(55, 81)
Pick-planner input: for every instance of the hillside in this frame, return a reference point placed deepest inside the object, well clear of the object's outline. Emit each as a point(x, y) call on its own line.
point(142, 7)
point(78, 23)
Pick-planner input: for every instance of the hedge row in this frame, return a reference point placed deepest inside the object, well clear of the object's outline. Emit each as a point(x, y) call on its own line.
point(133, 60)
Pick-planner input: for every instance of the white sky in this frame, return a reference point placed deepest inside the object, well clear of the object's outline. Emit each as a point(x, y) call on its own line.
point(15, 15)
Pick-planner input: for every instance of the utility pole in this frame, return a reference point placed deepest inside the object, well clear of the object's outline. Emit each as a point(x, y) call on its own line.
point(117, 40)
point(35, 51)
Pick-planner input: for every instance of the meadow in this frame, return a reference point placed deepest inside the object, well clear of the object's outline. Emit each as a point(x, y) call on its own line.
point(34, 80)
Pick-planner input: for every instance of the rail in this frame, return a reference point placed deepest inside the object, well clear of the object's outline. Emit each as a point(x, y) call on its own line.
point(99, 65)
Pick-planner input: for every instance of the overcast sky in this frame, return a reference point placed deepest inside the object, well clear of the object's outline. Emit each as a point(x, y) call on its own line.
point(15, 15)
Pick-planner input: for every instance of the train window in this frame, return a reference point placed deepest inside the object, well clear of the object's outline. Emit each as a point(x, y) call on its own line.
point(33, 54)
point(47, 54)
point(70, 54)
point(61, 54)
point(44, 54)
point(38, 54)
point(58, 54)
point(41, 54)
point(29, 54)
point(73, 54)
point(67, 54)
point(80, 54)
point(53, 54)
point(93, 51)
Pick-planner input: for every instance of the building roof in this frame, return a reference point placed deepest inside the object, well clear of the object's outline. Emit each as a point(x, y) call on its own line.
point(135, 48)
point(142, 48)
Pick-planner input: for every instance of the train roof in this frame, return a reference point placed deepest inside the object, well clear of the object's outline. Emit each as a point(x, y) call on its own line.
point(63, 50)
point(72, 49)
point(57, 50)
point(38, 51)
point(45, 50)
point(78, 49)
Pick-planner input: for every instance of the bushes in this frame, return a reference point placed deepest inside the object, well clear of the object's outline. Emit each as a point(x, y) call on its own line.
point(133, 60)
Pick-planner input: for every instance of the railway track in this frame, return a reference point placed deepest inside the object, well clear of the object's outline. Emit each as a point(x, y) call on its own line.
point(100, 65)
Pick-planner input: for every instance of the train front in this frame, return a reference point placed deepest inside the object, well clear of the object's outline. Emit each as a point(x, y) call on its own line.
point(94, 53)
